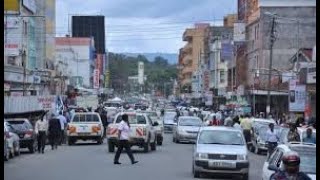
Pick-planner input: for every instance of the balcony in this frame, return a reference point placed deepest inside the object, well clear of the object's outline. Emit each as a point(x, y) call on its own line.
point(187, 35)
point(187, 59)
point(187, 70)
point(186, 81)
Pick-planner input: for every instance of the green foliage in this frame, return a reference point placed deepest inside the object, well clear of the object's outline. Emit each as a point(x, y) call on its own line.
point(160, 74)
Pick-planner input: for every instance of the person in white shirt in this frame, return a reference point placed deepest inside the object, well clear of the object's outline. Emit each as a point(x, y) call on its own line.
point(63, 123)
point(272, 139)
point(124, 132)
point(41, 128)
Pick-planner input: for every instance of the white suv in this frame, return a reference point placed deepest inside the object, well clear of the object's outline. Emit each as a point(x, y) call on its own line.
point(143, 132)
point(306, 151)
point(220, 150)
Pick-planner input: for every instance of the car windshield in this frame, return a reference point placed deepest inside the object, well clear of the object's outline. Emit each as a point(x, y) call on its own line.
point(307, 159)
point(221, 137)
point(134, 119)
point(190, 122)
point(85, 118)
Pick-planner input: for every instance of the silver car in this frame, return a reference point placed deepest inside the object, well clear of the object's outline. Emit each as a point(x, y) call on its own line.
point(220, 150)
point(186, 129)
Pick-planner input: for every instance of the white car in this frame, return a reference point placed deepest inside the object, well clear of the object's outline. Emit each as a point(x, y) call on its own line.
point(187, 129)
point(159, 129)
point(301, 130)
point(12, 140)
point(143, 132)
point(85, 126)
point(220, 150)
point(307, 153)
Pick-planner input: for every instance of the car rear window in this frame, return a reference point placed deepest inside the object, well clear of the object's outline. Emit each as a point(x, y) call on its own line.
point(307, 159)
point(133, 119)
point(85, 118)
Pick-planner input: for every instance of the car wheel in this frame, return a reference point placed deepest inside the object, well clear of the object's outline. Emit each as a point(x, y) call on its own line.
point(100, 141)
point(71, 141)
point(245, 177)
point(256, 150)
point(110, 146)
point(153, 145)
point(146, 146)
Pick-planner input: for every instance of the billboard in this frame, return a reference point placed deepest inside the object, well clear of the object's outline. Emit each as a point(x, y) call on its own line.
point(239, 32)
point(208, 98)
point(226, 50)
point(297, 97)
point(96, 78)
point(11, 6)
point(13, 36)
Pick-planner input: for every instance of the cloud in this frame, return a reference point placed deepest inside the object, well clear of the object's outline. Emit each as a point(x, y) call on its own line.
point(145, 25)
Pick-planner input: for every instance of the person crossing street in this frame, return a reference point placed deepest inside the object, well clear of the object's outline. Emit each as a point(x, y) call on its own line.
point(41, 129)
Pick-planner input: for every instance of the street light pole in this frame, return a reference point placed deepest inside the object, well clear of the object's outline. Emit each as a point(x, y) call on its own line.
point(272, 40)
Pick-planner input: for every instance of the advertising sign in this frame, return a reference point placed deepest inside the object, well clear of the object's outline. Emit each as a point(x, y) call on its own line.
point(297, 97)
point(11, 6)
point(311, 75)
point(11, 22)
point(96, 77)
point(46, 103)
point(226, 50)
point(239, 33)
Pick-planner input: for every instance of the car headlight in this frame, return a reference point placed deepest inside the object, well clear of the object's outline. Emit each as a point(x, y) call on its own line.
point(242, 157)
point(202, 155)
point(181, 131)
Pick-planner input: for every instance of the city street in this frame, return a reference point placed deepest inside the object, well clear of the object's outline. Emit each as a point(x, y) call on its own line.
point(90, 161)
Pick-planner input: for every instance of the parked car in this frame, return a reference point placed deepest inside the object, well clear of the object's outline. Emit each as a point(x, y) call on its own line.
point(6, 149)
point(12, 140)
point(25, 131)
point(187, 129)
point(159, 129)
point(220, 150)
point(306, 151)
point(169, 120)
point(143, 133)
point(259, 137)
point(85, 126)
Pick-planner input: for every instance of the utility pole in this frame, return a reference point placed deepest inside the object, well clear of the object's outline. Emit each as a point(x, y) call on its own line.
point(272, 40)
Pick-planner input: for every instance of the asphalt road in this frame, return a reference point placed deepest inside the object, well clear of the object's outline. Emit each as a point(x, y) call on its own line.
point(90, 161)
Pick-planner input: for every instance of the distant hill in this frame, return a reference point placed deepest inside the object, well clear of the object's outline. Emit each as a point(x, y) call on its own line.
point(171, 57)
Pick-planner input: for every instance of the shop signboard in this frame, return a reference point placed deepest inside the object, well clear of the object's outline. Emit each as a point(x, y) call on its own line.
point(297, 97)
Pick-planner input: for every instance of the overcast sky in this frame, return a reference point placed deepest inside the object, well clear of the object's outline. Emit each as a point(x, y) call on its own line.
point(145, 25)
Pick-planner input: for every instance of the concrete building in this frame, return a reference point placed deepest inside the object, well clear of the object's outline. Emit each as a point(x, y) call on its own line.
point(24, 63)
point(190, 55)
point(290, 37)
point(229, 20)
point(78, 55)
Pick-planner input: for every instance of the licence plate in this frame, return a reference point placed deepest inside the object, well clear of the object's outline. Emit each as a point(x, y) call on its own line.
point(222, 164)
point(83, 134)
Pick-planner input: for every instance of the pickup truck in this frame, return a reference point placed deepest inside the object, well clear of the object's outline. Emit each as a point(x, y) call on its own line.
point(143, 132)
point(85, 126)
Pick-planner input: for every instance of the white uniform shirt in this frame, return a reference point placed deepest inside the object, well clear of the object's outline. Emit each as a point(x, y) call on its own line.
point(272, 136)
point(237, 126)
point(125, 130)
point(41, 126)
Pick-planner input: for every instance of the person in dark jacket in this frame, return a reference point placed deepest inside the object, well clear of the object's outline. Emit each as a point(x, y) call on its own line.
point(54, 131)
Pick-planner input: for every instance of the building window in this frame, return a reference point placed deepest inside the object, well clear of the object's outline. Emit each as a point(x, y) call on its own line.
point(222, 77)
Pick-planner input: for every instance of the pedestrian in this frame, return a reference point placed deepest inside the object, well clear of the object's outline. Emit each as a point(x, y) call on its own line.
point(54, 132)
point(41, 129)
point(63, 123)
point(309, 138)
point(124, 131)
point(236, 123)
point(104, 116)
point(246, 125)
point(272, 139)
point(293, 135)
point(228, 122)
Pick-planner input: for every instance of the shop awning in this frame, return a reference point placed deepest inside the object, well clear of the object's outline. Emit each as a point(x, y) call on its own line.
point(264, 92)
